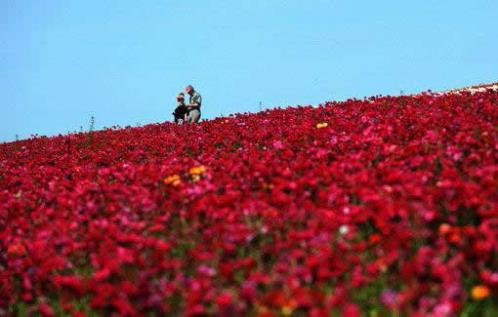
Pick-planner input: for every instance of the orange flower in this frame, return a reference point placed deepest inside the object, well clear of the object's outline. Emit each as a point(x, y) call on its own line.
point(267, 186)
point(197, 170)
point(263, 311)
point(322, 125)
point(444, 229)
point(173, 180)
point(479, 292)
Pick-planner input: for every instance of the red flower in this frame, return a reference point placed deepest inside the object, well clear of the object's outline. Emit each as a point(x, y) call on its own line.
point(260, 213)
point(45, 310)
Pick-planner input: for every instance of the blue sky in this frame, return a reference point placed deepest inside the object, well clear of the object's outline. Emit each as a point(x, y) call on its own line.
point(123, 61)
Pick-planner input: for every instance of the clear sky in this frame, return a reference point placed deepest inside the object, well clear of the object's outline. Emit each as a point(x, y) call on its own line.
point(124, 61)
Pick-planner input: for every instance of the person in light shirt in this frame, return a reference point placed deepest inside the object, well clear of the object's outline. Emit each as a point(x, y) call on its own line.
point(194, 105)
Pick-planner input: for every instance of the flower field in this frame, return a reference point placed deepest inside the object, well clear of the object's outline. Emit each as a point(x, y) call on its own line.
point(376, 207)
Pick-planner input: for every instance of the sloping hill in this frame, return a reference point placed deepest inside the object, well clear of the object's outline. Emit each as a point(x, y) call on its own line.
point(379, 205)
point(478, 88)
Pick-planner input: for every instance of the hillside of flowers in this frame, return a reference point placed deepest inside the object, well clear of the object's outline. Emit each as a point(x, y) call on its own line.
point(386, 206)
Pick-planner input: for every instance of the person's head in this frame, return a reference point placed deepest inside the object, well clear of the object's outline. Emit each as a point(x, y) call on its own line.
point(180, 97)
point(189, 89)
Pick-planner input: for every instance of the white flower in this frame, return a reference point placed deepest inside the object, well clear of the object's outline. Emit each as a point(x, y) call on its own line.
point(343, 230)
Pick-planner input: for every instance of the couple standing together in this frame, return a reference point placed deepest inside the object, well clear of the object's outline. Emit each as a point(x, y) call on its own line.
point(191, 112)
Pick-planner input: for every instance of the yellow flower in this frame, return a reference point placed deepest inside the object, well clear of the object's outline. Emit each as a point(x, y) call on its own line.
point(287, 310)
point(322, 125)
point(197, 170)
point(479, 292)
point(173, 180)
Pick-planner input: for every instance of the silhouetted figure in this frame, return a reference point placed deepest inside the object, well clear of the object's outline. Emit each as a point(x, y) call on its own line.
point(180, 113)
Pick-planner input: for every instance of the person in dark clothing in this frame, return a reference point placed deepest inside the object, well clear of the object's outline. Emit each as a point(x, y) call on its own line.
point(180, 113)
